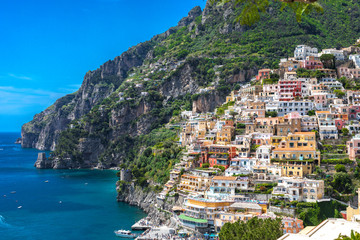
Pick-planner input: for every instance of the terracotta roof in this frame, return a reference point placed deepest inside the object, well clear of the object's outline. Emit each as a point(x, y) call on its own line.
point(224, 178)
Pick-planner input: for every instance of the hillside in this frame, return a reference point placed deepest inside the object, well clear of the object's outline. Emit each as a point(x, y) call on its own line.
point(117, 115)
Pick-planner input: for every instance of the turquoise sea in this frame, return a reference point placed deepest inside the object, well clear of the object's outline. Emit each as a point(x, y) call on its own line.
point(73, 204)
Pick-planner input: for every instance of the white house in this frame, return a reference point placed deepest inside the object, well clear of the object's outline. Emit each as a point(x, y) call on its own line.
point(302, 107)
point(302, 51)
point(339, 54)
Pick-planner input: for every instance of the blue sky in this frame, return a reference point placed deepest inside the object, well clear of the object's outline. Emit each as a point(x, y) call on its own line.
point(46, 47)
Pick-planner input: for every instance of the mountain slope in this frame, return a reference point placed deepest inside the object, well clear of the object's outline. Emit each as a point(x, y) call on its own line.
point(120, 107)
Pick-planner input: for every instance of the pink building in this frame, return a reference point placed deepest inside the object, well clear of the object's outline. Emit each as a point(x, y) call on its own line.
point(348, 72)
point(311, 63)
point(353, 148)
point(320, 99)
point(353, 112)
point(339, 123)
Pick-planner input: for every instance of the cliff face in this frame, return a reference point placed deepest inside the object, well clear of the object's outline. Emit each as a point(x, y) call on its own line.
point(43, 131)
point(208, 102)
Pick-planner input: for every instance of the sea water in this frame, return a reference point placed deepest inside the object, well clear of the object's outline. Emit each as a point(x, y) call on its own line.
point(57, 204)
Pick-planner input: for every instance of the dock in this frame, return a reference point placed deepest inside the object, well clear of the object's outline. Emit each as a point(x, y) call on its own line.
point(142, 224)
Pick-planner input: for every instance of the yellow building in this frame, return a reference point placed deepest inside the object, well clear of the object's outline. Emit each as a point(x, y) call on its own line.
point(231, 97)
point(225, 135)
point(351, 212)
point(298, 169)
point(203, 126)
point(296, 153)
point(194, 184)
point(296, 146)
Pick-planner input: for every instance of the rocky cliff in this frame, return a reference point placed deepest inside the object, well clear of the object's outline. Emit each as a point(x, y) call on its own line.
point(158, 210)
point(192, 66)
point(43, 131)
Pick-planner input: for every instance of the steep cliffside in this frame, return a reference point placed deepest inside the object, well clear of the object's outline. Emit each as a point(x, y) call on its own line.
point(43, 131)
point(115, 114)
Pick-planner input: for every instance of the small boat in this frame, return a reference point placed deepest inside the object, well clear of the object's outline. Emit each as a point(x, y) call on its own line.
point(124, 234)
point(13, 192)
point(19, 207)
point(47, 181)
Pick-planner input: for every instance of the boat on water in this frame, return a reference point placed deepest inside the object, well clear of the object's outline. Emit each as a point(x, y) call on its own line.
point(124, 234)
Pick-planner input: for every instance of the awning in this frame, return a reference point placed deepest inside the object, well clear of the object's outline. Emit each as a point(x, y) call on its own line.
point(190, 219)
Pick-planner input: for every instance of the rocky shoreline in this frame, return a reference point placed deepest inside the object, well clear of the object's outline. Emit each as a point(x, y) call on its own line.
point(158, 210)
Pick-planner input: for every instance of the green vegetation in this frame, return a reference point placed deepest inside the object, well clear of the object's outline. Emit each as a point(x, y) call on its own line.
point(221, 110)
point(311, 112)
point(222, 168)
point(265, 188)
point(314, 213)
point(274, 78)
point(339, 93)
point(336, 161)
point(251, 9)
point(349, 84)
point(340, 168)
point(302, 72)
point(328, 61)
point(271, 114)
point(353, 236)
point(345, 131)
point(253, 229)
point(342, 183)
point(205, 165)
point(253, 147)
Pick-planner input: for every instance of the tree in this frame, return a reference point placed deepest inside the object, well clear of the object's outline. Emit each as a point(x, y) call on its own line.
point(342, 182)
point(271, 114)
point(328, 60)
point(254, 229)
point(205, 165)
point(340, 168)
point(339, 93)
point(311, 112)
point(233, 114)
point(345, 131)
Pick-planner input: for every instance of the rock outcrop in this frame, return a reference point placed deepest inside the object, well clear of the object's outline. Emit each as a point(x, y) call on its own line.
point(42, 162)
point(157, 209)
point(193, 14)
point(208, 102)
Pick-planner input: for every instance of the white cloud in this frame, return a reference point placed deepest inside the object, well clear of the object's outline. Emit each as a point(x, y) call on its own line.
point(20, 77)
